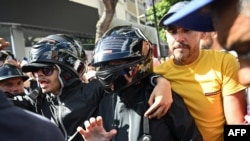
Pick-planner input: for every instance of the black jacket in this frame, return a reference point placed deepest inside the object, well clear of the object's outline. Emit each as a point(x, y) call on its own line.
point(124, 111)
point(77, 103)
point(17, 124)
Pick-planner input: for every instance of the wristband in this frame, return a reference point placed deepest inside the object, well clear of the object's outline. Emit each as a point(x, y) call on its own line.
point(153, 79)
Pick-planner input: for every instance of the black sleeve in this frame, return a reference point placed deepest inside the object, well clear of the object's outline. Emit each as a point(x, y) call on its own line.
point(151, 78)
point(181, 122)
point(23, 102)
point(30, 101)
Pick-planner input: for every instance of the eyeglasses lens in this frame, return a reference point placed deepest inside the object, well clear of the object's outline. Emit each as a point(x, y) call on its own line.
point(48, 71)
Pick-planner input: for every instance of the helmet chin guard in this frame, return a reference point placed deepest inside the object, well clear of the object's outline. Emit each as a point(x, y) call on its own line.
point(113, 78)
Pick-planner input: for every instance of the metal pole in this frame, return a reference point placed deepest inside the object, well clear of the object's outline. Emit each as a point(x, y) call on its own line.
point(157, 31)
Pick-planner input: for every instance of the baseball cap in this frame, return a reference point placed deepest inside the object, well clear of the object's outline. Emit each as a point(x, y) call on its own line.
point(173, 9)
point(192, 17)
point(8, 71)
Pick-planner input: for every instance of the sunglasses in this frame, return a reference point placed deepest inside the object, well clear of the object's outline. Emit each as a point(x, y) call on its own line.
point(47, 71)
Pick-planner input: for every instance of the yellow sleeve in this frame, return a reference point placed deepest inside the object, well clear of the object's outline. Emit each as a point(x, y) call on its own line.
point(230, 68)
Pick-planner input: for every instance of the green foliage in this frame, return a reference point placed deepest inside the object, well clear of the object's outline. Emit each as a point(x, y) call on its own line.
point(161, 8)
point(87, 43)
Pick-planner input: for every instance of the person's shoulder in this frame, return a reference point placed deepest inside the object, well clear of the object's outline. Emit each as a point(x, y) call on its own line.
point(167, 63)
point(20, 119)
point(93, 85)
point(94, 82)
point(39, 122)
point(33, 118)
point(209, 52)
point(218, 54)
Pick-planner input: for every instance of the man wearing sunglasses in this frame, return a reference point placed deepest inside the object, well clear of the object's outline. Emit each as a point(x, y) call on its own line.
point(22, 125)
point(57, 62)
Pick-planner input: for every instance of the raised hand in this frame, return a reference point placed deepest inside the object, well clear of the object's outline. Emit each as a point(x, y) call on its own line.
point(95, 130)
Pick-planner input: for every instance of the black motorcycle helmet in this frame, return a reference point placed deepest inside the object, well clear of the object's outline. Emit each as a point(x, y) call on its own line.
point(57, 49)
point(122, 43)
point(8, 71)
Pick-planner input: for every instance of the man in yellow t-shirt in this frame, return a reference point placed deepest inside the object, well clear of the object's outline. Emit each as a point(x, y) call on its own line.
point(206, 79)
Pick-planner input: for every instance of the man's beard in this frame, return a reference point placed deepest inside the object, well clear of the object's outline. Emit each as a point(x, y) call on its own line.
point(179, 56)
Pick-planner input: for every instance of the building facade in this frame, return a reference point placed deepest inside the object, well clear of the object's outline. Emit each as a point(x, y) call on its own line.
point(25, 22)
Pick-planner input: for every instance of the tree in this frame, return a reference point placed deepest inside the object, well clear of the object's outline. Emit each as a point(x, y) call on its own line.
point(161, 8)
point(106, 18)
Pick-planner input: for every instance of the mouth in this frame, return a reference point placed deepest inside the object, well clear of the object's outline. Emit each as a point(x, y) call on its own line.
point(180, 48)
point(43, 83)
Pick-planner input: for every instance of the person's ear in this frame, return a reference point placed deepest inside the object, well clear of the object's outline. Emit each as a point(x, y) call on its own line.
point(214, 34)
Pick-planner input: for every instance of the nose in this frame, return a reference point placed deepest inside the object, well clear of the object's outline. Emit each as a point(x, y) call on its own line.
point(180, 35)
point(38, 73)
point(17, 90)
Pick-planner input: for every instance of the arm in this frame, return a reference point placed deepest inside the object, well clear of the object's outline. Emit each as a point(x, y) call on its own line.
point(235, 107)
point(234, 94)
point(95, 130)
point(160, 99)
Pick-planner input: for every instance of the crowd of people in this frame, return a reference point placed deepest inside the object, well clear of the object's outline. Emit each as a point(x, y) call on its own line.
point(190, 96)
point(57, 62)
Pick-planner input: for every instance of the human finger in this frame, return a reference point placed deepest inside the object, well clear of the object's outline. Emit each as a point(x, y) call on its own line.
point(157, 109)
point(84, 133)
point(87, 125)
point(112, 133)
point(92, 121)
point(155, 112)
point(99, 120)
